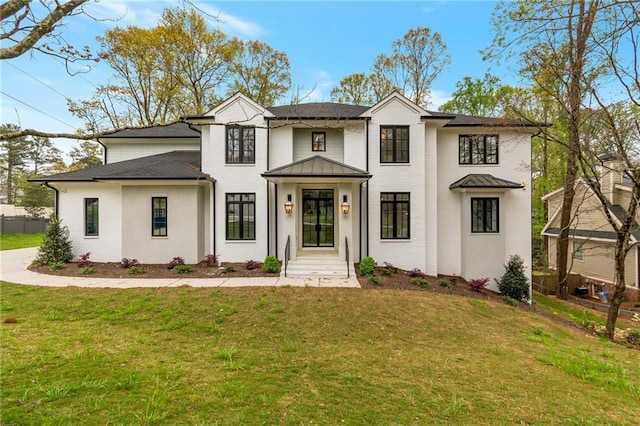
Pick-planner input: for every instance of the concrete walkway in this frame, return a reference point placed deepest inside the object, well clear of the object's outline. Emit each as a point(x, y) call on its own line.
point(14, 269)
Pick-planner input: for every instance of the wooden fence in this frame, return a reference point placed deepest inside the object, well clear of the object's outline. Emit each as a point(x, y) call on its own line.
point(546, 283)
point(22, 225)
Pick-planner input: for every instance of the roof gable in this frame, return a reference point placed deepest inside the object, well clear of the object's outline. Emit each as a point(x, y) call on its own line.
point(316, 166)
point(395, 98)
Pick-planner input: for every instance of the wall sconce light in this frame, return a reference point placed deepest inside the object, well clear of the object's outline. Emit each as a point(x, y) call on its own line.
point(345, 205)
point(288, 205)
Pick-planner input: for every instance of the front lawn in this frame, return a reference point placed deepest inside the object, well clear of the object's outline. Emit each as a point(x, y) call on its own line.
point(301, 356)
point(16, 241)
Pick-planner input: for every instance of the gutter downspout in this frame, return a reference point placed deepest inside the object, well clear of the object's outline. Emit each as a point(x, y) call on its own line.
point(367, 188)
point(104, 147)
point(56, 198)
point(268, 192)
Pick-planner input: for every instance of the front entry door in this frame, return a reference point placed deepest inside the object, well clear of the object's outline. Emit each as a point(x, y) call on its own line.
point(317, 217)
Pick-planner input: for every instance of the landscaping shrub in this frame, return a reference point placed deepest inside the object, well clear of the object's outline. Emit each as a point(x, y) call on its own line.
point(514, 282)
point(478, 284)
point(182, 269)
point(375, 279)
point(128, 263)
point(136, 270)
point(54, 266)
point(420, 282)
point(386, 272)
point(251, 265)
point(175, 262)
point(86, 270)
point(417, 273)
point(633, 337)
point(210, 260)
point(446, 282)
point(84, 260)
point(56, 246)
point(229, 268)
point(271, 264)
point(367, 266)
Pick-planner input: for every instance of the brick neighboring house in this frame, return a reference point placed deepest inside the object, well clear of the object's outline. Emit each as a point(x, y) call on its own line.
point(448, 194)
point(591, 237)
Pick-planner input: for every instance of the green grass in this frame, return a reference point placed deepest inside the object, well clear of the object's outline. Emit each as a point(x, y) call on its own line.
point(295, 356)
point(16, 241)
point(575, 313)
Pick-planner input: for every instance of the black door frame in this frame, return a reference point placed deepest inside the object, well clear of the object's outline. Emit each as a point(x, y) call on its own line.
point(318, 226)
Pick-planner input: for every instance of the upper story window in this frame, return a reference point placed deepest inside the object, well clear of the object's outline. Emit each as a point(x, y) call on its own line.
point(578, 250)
point(394, 144)
point(484, 215)
point(241, 143)
point(91, 217)
point(478, 149)
point(394, 215)
point(318, 141)
point(159, 216)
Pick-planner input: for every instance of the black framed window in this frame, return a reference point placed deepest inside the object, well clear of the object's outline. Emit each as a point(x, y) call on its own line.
point(478, 149)
point(241, 216)
point(241, 142)
point(484, 215)
point(394, 144)
point(91, 217)
point(394, 215)
point(318, 141)
point(159, 217)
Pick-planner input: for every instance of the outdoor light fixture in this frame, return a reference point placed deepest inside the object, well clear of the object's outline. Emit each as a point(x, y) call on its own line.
point(345, 205)
point(288, 205)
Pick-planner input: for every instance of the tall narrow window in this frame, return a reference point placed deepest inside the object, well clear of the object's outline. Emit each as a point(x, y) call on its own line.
point(159, 217)
point(484, 215)
point(395, 217)
point(318, 141)
point(478, 149)
point(241, 216)
point(241, 144)
point(578, 250)
point(91, 217)
point(394, 144)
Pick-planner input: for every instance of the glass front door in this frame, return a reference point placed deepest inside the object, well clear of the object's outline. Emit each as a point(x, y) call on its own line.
point(317, 217)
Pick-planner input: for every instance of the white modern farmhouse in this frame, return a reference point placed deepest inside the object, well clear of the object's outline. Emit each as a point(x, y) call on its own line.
point(443, 193)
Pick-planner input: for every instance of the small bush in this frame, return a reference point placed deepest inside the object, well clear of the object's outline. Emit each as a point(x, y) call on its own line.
point(271, 264)
point(128, 263)
point(230, 267)
point(510, 301)
point(514, 282)
point(136, 270)
point(420, 282)
point(86, 270)
point(56, 246)
point(386, 272)
point(210, 260)
point(633, 337)
point(478, 284)
point(390, 267)
point(54, 266)
point(183, 269)
point(417, 273)
point(375, 279)
point(367, 266)
point(175, 262)
point(446, 282)
point(84, 260)
point(251, 265)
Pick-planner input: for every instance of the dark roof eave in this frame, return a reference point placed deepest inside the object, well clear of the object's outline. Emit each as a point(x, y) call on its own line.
point(45, 180)
point(527, 125)
point(267, 175)
point(315, 118)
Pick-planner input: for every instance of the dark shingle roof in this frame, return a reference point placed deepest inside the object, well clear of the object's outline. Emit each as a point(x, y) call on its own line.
point(318, 110)
point(316, 166)
point(182, 165)
point(175, 130)
point(484, 181)
point(462, 120)
point(584, 233)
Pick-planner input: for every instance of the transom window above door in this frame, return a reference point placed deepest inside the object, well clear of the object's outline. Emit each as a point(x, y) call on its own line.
point(318, 141)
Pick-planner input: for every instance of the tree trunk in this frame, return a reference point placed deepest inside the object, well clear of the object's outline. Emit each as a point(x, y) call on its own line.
point(618, 295)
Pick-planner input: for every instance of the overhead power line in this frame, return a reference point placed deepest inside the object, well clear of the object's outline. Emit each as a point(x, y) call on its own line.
point(38, 110)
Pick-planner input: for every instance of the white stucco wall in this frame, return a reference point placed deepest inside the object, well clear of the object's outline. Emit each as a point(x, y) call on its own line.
point(107, 246)
point(237, 178)
point(398, 177)
point(355, 147)
point(185, 226)
point(128, 149)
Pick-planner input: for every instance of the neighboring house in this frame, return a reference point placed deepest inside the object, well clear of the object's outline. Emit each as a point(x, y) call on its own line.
point(591, 237)
point(443, 193)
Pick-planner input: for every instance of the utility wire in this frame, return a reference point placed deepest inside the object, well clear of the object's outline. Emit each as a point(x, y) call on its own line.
point(38, 80)
point(36, 109)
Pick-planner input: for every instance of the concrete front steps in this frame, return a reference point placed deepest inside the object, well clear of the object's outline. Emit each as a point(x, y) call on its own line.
point(318, 266)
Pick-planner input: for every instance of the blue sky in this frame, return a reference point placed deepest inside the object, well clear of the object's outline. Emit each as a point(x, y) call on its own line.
point(324, 41)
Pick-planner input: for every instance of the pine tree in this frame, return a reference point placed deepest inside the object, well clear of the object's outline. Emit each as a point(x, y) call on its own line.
point(56, 246)
point(514, 283)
